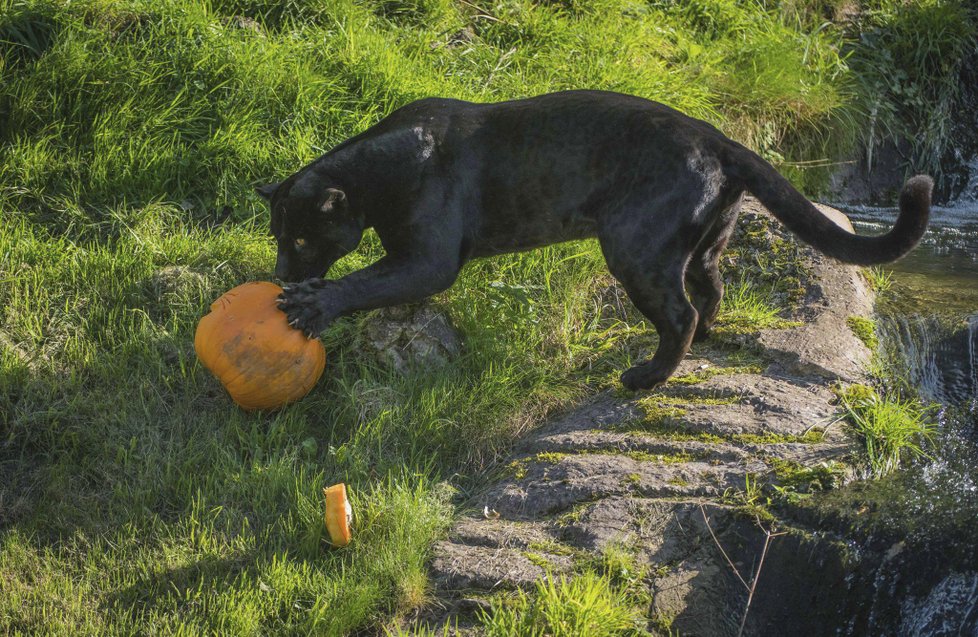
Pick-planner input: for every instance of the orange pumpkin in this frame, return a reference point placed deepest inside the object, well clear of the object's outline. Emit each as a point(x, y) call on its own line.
point(339, 514)
point(246, 341)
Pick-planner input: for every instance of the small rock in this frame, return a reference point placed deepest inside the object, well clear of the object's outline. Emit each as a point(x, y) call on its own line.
point(406, 336)
point(245, 23)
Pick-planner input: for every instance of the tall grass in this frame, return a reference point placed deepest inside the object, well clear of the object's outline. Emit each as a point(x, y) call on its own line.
point(585, 605)
point(134, 495)
point(907, 71)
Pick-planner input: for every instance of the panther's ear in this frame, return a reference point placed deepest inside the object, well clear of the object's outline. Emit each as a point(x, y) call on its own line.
point(267, 190)
point(335, 199)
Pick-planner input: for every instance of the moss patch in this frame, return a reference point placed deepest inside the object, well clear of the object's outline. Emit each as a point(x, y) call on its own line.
point(865, 330)
point(664, 458)
point(552, 547)
point(538, 560)
point(812, 436)
point(806, 479)
point(550, 457)
point(764, 259)
point(701, 375)
point(517, 469)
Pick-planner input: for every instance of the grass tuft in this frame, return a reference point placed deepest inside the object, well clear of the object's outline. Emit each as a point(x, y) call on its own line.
point(744, 310)
point(587, 604)
point(891, 428)
point(880, 279)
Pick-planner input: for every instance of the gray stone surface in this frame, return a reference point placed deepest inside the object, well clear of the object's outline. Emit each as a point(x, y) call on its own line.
point(645, 471)
point(413, 335)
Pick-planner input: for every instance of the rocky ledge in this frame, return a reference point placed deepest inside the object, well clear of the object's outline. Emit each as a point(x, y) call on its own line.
point(670, 477)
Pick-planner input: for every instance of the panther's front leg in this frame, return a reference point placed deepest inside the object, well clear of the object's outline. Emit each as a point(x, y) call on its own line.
point(315, 303)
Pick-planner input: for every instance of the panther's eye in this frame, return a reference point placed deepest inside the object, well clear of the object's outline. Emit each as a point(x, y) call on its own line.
point(299, 243)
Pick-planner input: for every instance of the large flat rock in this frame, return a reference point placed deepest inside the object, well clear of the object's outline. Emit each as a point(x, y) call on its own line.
point(657, 473)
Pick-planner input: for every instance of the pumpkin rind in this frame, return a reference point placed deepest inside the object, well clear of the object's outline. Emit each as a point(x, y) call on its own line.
point(339, 514)
point(247, 343)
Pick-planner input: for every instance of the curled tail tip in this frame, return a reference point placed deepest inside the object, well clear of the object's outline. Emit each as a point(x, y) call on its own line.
point(917, 191)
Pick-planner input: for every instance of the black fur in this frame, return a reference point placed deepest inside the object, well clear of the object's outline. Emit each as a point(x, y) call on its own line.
point(445, 181)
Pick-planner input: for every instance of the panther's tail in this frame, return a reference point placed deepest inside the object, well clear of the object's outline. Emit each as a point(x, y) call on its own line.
point(814, 228)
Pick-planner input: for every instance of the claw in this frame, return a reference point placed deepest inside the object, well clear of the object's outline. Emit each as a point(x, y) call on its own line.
point(293, 323)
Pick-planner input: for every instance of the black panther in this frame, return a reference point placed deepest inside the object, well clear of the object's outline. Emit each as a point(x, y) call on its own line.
point(445, 181)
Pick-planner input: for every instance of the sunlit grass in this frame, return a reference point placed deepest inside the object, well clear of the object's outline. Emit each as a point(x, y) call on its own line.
point(892, 429)
point(133, 493)
point(744, 309)
point(587, 604)
point(880, 279)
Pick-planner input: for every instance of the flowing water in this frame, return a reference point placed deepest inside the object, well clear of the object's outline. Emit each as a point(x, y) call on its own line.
point(928, 325)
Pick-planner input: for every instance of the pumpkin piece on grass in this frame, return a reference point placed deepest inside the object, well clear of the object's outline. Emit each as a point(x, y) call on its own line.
point(339, 514)
point(247, 342)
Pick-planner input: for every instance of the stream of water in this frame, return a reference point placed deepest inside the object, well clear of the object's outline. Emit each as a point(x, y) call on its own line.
point(928, 322)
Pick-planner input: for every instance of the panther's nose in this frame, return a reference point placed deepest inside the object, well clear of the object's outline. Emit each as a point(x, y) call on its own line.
point(282, 272)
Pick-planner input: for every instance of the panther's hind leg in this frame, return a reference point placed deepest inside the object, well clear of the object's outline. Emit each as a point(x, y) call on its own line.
point(652, 274)
point(703, 281)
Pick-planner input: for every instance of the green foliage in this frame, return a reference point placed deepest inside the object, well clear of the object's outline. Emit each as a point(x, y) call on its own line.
point(906, 67)
point(762, 270)
point(891, 428)
point(587, 604)
point(865, 330)
point(212, 570)
point(880, 279)
point(744, 310)
point(752, 500)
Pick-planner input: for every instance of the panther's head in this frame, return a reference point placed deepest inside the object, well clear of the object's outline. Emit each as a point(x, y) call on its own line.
point(313, 224)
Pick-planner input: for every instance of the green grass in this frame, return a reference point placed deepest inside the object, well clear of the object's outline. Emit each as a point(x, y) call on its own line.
point(134, 496)
point(744, 309)
point(892, 429)
point(880, 279)
point(906, 75)
point(587, 604)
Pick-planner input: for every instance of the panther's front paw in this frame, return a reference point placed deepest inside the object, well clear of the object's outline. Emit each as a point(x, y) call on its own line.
point(310, 305)
point(643, 376)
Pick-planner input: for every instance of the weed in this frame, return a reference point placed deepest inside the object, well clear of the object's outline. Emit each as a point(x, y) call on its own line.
point(574, 515)
point(798, 478)
point(880, 279)
point(751, 501)
point(552, 547)
point(890, 428)
point(538, 560)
